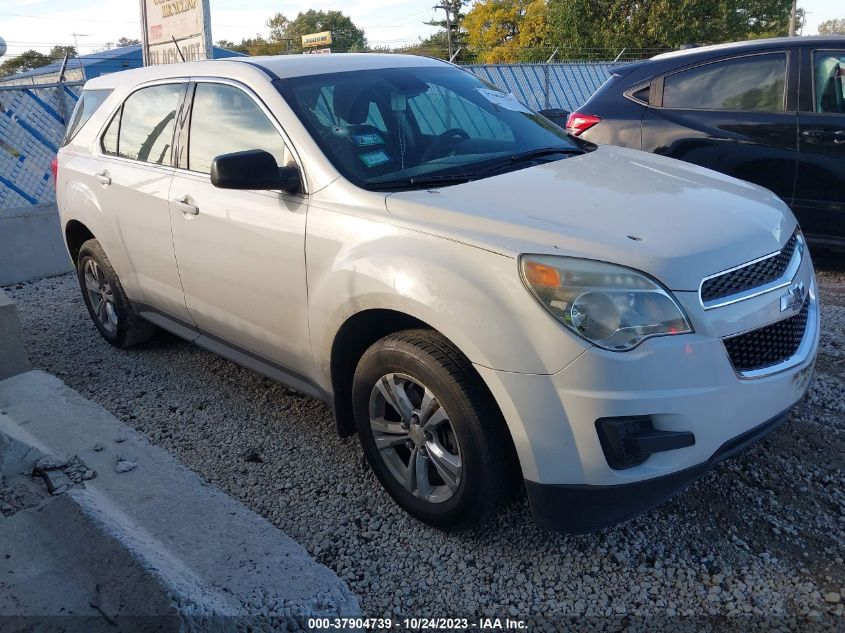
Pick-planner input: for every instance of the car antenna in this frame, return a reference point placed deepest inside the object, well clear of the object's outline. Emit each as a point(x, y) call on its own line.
point(176, 44)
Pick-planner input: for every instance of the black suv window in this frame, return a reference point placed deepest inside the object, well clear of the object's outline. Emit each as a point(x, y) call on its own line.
point(829, 81)
point(754, 83)
point(225, 119)
point(143, 128)
point(87, 105)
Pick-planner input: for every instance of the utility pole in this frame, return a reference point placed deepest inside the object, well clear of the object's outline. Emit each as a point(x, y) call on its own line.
point(448, 26)
point(792, 17)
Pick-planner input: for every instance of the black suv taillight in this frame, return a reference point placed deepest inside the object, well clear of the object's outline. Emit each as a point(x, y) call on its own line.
point(578, 123)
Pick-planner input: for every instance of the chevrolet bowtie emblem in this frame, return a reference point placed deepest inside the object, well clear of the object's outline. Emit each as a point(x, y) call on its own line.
point(794, 298)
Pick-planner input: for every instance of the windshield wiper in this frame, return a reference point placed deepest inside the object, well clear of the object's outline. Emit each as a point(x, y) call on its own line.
point(456, 179)
point(526, 156)
point(420, 182)
point(544, 151)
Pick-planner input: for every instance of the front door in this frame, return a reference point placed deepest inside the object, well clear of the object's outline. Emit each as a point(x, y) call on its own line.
point(820, 184)
point(732, 115)
point(241, 254)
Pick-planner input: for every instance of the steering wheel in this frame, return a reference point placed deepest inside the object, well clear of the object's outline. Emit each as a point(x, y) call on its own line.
point(445, 141)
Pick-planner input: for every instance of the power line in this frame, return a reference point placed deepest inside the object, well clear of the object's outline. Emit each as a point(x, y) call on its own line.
point(57, 19)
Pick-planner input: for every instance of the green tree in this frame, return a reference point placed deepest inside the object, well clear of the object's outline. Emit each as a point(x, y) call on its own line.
point(28, 60)
point(57, 53)
point(456, 19)
point(128, 41)
point(288, 33)
point(832, 27)
point(434, 45)
point(599, 28)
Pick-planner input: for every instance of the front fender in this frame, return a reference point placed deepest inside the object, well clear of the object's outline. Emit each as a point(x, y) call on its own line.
point(472, 296)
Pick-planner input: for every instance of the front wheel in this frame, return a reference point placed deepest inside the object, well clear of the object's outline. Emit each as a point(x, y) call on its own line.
point(431, 431)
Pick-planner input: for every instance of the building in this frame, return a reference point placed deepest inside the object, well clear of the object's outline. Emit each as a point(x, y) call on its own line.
point(86, 67)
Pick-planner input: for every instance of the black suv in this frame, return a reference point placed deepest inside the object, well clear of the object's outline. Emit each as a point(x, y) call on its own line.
point(771, 112)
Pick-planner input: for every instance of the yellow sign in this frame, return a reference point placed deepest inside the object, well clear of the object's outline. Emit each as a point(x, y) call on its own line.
point(317, 39)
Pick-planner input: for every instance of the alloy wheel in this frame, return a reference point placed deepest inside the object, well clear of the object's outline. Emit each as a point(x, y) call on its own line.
point(100, 296)
point(415, 438)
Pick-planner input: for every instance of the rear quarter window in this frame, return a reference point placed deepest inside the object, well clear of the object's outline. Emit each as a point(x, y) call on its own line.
point(89, 102)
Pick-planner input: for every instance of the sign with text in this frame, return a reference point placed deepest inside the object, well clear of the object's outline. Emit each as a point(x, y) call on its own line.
point(168, 24)
point(323, 38)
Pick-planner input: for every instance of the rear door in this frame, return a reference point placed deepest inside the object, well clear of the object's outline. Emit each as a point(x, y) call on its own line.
point(735, 115)
point(133, 177)
point(241, 254)
point(820, 186)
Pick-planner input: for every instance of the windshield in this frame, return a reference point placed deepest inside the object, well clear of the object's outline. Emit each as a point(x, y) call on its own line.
point(425, 126)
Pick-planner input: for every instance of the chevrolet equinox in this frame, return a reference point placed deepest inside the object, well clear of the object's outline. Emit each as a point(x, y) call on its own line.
point(487, 301)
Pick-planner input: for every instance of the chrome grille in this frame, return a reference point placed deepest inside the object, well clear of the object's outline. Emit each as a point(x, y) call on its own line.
point(753, 275)
point(769, 345)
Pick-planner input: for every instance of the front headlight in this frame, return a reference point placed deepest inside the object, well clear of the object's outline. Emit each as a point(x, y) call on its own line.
point(611, 306)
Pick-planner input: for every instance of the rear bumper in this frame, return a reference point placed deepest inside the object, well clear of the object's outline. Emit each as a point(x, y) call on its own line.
point(584, 508)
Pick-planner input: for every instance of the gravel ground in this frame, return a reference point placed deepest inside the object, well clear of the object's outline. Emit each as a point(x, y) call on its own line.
point(757, 544)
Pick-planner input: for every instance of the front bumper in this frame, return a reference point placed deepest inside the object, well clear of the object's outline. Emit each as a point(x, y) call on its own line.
point(683, 384)
point(585, 508)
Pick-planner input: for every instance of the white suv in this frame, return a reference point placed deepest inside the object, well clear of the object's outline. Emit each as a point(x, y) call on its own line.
point(483, 298)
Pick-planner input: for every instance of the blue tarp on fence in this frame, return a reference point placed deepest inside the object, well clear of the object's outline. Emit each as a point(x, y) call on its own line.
point(32, 123)
point(542, 86)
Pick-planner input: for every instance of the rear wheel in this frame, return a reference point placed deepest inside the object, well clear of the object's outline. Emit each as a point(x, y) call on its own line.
point(431, 432)
point(106, 302)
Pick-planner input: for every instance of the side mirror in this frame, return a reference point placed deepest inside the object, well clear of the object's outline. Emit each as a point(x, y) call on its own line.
point(253, 169)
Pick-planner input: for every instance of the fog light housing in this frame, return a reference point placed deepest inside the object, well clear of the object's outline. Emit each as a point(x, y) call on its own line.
point(629, 440)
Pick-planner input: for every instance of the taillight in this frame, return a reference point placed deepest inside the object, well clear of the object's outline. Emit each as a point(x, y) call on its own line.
point(578, 123)
point(54, 168)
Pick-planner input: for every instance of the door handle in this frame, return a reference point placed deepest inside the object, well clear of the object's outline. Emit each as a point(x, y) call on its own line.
point(837, 136)
point(103, 177)
point(188, 208)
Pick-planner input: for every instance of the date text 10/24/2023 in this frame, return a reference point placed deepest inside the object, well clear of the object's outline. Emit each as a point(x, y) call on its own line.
point(417, 624)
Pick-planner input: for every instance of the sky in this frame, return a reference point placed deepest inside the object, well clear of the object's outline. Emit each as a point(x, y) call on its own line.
point(40, 24)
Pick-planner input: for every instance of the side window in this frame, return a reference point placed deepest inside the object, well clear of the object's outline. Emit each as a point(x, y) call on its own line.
point(225, 119)
point(642, 94)
point(109, 141)
point(439, 109)
point(754, 83)
point(146, 124)
point(87, 105)
point(829, 81)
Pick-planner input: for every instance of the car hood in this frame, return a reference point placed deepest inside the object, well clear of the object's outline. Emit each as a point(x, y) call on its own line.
point(673, 220)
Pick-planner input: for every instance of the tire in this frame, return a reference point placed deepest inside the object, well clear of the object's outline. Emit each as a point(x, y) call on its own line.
point(106, 301)
point(465, 466)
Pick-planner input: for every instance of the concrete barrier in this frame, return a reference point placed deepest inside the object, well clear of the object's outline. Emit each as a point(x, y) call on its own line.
point(31, 245)
point(129, 539)
point(13, 358)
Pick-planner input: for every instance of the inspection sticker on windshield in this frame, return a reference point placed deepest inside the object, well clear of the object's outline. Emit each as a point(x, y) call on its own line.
point(505, 100)
point(375, 158)
point(363, 140)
